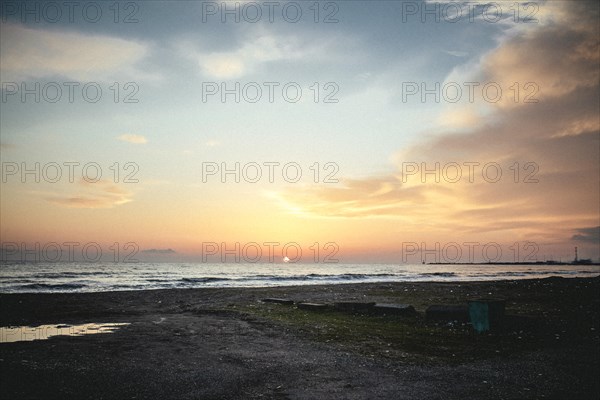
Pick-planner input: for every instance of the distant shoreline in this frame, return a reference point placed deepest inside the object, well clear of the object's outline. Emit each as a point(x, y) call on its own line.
point(513, 263)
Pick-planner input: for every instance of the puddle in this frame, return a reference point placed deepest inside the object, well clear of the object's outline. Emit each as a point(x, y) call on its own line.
point(28, 333)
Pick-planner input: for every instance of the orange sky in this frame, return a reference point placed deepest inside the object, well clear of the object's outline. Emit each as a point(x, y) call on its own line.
point(544, 203)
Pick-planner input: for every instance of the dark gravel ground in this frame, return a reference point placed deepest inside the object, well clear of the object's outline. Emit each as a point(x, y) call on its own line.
point(225, 344)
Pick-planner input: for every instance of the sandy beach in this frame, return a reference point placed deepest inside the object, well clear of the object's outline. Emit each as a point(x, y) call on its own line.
point(227, 344)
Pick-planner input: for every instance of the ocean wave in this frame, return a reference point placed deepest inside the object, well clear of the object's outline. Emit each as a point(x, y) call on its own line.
point(157, 280)
point(539, 272)
point(349, 276)
point(64, 274)
point(441, 274)
point(48, 286)
point(92, 278)
point(203, 280)
point(284, 278)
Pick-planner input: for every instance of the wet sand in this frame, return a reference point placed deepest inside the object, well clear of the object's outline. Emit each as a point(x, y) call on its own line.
point(227, 344)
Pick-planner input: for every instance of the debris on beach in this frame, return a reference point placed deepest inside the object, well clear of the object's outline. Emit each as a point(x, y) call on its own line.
point(353, 306)
point(313, 306)
point(405, 310)
point(486, 314)
point(445, 313)
point(278, 301)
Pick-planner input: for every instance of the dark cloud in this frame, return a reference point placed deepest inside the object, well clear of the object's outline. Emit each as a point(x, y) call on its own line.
point(159, 251)
point(589, 235)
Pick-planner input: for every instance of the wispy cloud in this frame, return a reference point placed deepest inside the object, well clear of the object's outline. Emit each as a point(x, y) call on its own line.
point(212, 143)
point(257, 48)
point(133, 138)
point(101, 194)
point(248, 57)
point(28, 53)
point(456, 53)
point(370, 197)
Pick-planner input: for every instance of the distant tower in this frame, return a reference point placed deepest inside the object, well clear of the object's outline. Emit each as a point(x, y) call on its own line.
point(576, 254)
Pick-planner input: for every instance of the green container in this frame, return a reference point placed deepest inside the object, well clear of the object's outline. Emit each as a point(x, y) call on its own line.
point(486, 314)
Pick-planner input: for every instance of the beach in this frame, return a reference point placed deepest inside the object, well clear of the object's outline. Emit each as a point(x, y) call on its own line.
point(225, 343)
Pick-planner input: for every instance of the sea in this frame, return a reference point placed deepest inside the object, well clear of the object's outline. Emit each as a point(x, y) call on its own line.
point(39, 277)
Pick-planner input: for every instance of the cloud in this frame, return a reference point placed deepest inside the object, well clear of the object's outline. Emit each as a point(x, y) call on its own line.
point(224, 66)
point(554, 141)
point(460, 117)
point(556, 55)
point(37, 53)
point(363, 76)
point(353, 198)
point(456, 53)
point(212, 143)
point(591, 235)
point(132, 138)
point(7, 146)
point(258, 47)
point(101, 194)
point(248, 57)
point(159, 251)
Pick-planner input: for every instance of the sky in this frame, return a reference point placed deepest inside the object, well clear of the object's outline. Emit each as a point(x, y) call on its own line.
point(332, 131)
